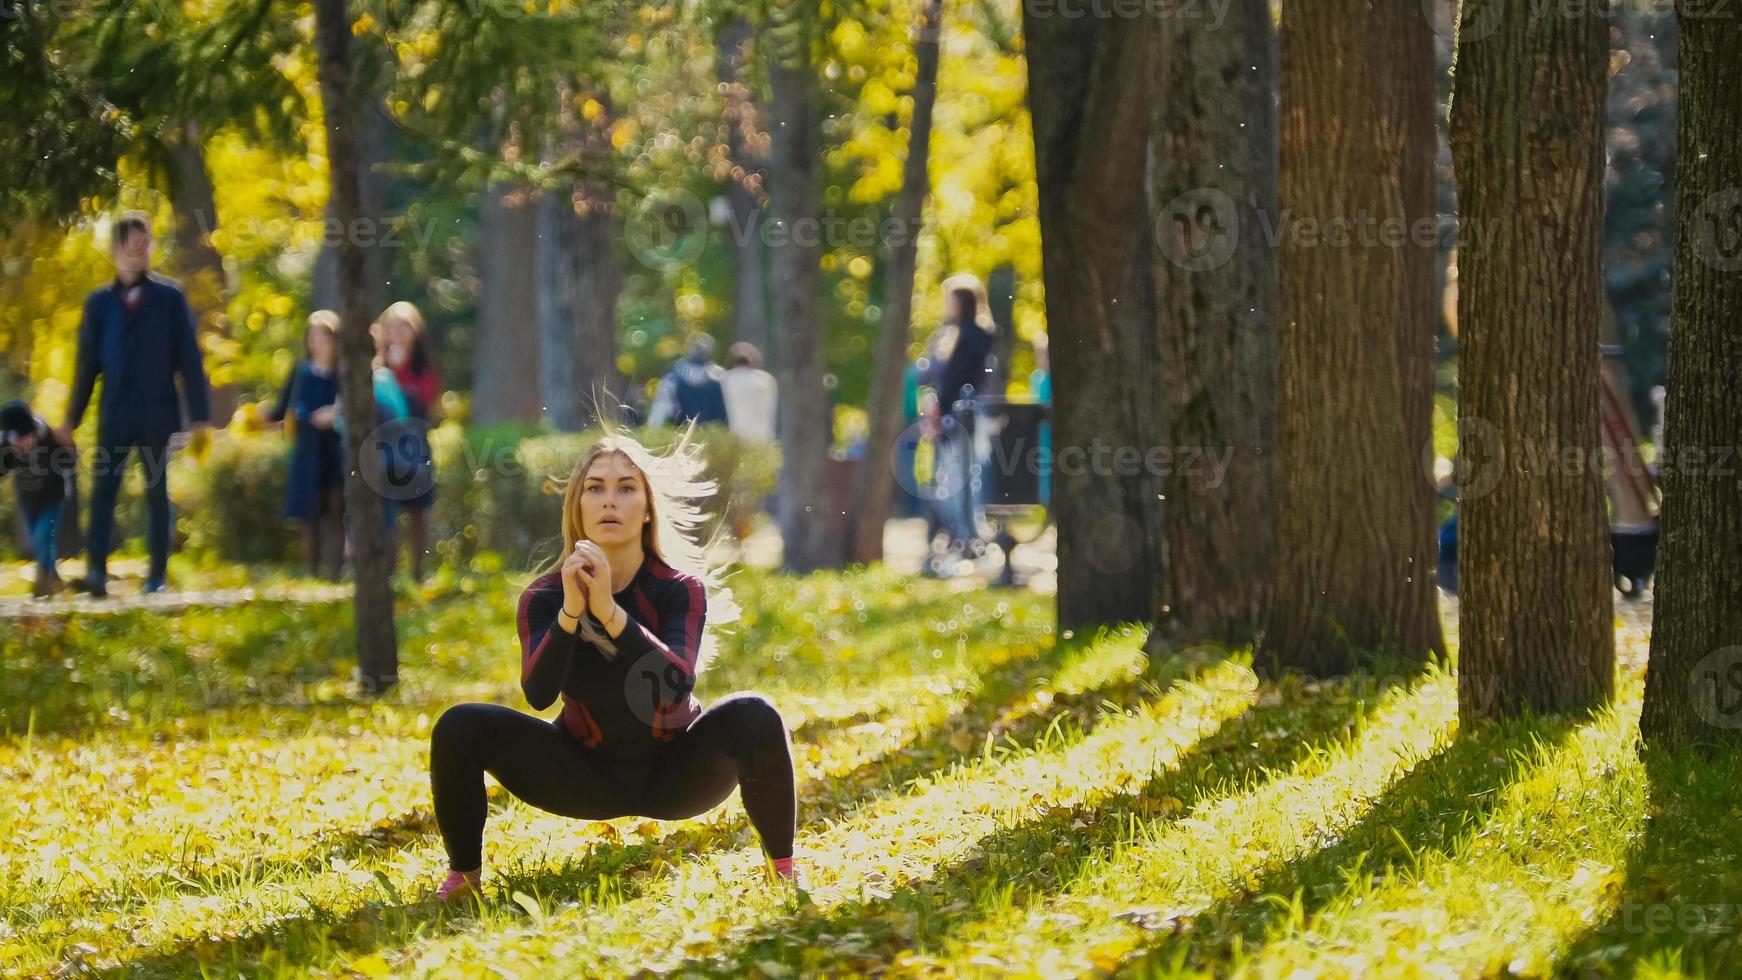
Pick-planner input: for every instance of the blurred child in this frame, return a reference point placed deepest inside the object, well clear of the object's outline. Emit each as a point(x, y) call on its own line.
point(44, 464)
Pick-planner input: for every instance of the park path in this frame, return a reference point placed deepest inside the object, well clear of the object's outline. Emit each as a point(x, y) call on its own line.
point(126, 576)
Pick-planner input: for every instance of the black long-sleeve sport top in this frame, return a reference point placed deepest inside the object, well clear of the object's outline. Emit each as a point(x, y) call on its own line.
point(640, 697)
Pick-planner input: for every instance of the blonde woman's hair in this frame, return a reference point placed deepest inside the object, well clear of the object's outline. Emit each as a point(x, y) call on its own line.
point(673, 488)
point(419, 358)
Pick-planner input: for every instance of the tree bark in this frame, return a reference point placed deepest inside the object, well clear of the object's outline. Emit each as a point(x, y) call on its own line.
point(806, 422)
point(1355, 546)
point(744, 190)
point(578, 288)
point(875, 486)
point(1097, 263)
point(198, 264)
point(1693, 686)
point(1211, 193)
point(506, 358)
point(374, 148)
point(578, 284)
point(1001, 304)
point(377, 643)
point(1527, 140)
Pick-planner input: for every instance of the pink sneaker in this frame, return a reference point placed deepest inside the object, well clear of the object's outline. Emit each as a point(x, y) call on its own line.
point(786, 871)
point(457, 884)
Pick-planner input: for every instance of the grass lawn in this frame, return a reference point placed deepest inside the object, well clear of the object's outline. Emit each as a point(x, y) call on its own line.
point(196, 793)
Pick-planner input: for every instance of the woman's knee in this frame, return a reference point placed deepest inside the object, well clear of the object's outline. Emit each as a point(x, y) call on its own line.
point(753, 714)
point(458, 728)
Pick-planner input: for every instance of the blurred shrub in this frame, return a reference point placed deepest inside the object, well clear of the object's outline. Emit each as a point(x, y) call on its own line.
point(490, 492)
point(232, 504)
point(491, 485)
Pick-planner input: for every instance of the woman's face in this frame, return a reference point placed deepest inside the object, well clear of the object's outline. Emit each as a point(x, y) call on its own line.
point(320, 345)
point(613, 501)
point(952, 307)
point(400, 337)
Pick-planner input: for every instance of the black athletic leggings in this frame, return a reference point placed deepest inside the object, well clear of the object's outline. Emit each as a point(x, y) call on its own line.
point(739, 741)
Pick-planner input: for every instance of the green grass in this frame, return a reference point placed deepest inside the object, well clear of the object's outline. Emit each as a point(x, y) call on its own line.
point(977, 797)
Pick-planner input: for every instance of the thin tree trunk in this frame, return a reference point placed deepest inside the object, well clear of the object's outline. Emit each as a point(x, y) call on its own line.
point(744, 190)
point(1533, 545)
point(506, 357)
point(806, 422)
point(1693, 687)
point(1097, 261)
point(874, 486)
point(1355, 546)
point(1001, 305)
point(198, 264)
point(1212, 191)
point(377, 643)
point(374, 147)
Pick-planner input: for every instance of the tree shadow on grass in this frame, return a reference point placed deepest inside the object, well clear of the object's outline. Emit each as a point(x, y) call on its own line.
point(1679, 903)
point(1041, 856)
point(1440, 802)
point(621, 867)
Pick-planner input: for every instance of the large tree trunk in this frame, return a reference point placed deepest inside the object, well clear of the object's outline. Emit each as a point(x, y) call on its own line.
point(1355, 547)
point(197, 262)
point(875, 484)
point(1533, 544)
point(806, 422)
point(559, 310)
point(506, 358)
point(1693, 688)
point(1212, 192)
point(744, 189)
point(578, 288)
point(377, 643)
point(1097, 261)
point(578, 285)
